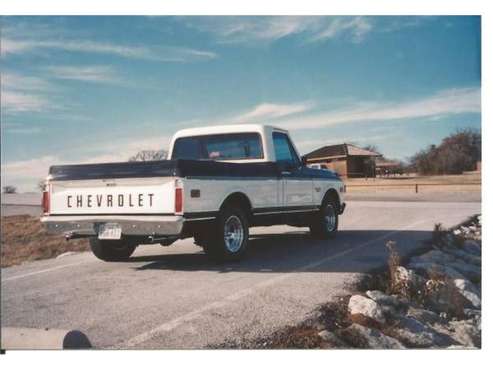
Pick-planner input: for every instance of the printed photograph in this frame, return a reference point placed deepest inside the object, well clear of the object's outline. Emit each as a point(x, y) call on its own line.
point(240, 182)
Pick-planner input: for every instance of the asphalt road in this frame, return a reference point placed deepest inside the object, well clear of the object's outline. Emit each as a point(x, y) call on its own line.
point(174, 297)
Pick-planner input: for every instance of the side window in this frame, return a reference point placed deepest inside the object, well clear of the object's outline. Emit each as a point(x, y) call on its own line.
point(285, 152)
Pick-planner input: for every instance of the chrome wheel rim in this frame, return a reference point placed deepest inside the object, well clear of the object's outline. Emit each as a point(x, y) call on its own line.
point(330, 218)
point(233, 233)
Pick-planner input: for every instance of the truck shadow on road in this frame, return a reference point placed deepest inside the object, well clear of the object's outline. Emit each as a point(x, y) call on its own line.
point(351, 251)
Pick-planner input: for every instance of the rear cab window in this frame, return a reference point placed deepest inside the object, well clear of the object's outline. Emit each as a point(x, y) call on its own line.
point(235, 146)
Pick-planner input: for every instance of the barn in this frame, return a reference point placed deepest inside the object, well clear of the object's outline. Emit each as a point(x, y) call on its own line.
point(347, 160)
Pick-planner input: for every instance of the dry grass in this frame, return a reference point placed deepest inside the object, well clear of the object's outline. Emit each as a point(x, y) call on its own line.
point(451, 183)
point(24, 239)
point(441, 290)
point(333, 316)
point(394, 261)
point(439, 236)
point(470, 178)
point(411, 289)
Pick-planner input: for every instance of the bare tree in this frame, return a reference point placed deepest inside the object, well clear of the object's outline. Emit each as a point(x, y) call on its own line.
point(149, 155)
point(372, 148)
point(9, 189)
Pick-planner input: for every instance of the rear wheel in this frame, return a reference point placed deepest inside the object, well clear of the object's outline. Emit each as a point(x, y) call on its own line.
point(112, 250)
point(326, 221)
point(229, 238)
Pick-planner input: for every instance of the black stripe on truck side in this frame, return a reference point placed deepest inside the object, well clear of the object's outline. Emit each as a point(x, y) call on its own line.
point(268, 210)
point(255, 211)
point(199, 215)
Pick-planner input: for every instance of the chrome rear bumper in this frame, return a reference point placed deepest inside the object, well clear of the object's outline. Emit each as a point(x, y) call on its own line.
point(151, 225)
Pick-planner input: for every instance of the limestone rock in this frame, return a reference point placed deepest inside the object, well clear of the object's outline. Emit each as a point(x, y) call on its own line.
point(466, 333)
point(331, 338)
point(423, 315)
point(472, 247)
point(366, 307)
point(434, 256)
point(382, 298)
point(472, 313)
point(472, 272)
point(415, 334)
point(409, 277)
point(363, 337)
point(463, 255)
point(430, 267)
point(469, 291)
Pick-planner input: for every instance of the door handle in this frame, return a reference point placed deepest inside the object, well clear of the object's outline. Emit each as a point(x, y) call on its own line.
point(285, 173)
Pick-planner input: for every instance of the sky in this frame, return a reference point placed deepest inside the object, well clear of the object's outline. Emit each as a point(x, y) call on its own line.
point(99, 89)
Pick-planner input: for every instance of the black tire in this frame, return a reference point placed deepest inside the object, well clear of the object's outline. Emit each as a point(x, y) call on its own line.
point(200, 239)
point(326, 220)
point(231, 247)
point(112, 250)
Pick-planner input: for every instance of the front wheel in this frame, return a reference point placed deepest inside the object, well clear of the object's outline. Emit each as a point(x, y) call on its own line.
point(326, 221)
point(112, 250)
point(230, 236)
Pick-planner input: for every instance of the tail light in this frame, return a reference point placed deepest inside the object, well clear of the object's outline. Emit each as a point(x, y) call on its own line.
point(46, 200)
point(178, 197)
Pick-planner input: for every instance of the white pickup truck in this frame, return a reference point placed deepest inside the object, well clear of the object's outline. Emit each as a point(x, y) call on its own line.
point(216, 183)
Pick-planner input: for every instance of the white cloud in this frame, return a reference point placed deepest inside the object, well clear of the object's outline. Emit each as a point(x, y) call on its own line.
point(158, 53)
point(84, 73)
point(266, 111)
point(9, 46)
point(25, 174)
point(356, 28)
point(32, 170)
point(264, 29)
point(122, 150)
point(24, 93)
point(16, 102)
point(446, 102)
point(26, 83)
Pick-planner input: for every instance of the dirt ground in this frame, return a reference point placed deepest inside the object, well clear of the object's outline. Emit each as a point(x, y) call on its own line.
point(24, 239)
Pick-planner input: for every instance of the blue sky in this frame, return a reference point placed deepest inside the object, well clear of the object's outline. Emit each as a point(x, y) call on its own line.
point(91, 89)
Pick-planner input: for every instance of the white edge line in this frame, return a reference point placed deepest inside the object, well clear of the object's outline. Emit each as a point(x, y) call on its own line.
point(40, 272)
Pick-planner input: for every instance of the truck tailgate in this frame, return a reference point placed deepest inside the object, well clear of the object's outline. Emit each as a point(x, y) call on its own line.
point(143, 196)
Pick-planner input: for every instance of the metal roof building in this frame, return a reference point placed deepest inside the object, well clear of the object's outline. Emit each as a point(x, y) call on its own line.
point(347, 160)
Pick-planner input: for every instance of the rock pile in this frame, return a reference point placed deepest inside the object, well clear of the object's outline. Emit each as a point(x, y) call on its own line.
point(443, 310)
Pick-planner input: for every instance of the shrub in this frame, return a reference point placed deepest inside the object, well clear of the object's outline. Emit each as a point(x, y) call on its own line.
point(9, 189)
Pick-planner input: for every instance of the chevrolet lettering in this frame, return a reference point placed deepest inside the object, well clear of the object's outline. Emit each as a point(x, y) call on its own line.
point(109, 200)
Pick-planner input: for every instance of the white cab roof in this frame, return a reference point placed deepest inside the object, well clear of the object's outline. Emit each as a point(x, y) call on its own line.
point(226, 129)
point(265, 132)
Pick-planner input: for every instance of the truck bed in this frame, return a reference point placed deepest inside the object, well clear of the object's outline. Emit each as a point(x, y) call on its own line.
point(164, 168)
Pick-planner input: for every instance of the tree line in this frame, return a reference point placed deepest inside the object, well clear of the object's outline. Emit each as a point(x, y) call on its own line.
point(456, 153)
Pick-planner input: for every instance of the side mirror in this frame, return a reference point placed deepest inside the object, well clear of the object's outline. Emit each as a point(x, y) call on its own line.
point(304, 160)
